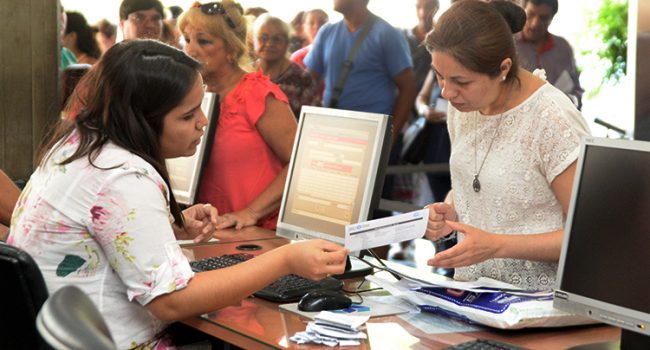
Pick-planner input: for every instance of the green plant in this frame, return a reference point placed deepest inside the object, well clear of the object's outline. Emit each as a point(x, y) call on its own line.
point(610, 25)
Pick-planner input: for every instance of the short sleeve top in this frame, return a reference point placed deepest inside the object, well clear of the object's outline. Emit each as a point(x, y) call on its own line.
point(106, 231)
point(241, 163)
point(531, 145)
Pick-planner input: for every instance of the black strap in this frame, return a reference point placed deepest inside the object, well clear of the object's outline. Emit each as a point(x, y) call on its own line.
point(347, 64)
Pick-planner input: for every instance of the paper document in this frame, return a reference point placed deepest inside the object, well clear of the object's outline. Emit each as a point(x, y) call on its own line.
point(441, 105)
point(564, 82)
point(379, 232)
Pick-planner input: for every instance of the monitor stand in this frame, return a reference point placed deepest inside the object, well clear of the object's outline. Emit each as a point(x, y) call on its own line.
point(354, 268)
point(629, 341)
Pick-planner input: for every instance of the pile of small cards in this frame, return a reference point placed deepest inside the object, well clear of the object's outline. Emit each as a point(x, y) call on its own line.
point(332, 329)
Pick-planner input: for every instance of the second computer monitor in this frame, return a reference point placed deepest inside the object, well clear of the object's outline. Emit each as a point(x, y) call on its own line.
point(336, 172)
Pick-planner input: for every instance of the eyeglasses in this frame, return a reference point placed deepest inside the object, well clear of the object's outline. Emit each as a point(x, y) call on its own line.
point(140, 18)
point(216, 8)
point(275, 40)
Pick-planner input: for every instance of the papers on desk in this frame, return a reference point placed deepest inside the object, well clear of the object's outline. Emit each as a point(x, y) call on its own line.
point(369, 308)
point(384, 231)
point(332, 329)
point(485, 301)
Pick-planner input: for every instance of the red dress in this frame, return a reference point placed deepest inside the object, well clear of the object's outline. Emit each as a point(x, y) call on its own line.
point(241, 164)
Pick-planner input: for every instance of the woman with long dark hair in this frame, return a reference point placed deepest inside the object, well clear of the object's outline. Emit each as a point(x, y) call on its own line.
point(98, 211)
point(80, 38)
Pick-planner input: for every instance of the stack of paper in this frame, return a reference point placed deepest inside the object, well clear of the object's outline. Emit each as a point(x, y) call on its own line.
point(333, 329)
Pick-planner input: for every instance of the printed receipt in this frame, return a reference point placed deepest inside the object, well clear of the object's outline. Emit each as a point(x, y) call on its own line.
point(379, 232)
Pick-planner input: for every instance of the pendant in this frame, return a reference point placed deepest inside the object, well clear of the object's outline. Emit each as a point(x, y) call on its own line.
point(476, 184)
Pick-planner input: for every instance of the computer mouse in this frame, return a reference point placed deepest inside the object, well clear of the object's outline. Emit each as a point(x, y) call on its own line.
point(323, 299)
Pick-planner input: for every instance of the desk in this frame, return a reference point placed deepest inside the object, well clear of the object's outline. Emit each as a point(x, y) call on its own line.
point(258, 324)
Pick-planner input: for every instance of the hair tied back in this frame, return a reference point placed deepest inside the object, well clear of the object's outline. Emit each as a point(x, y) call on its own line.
point(514, 15)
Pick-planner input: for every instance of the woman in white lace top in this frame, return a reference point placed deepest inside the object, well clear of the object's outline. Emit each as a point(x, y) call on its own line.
point(515, 140)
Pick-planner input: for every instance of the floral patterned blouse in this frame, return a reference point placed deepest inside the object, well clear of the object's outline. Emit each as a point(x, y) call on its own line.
point(300, 87)
point(106, 231)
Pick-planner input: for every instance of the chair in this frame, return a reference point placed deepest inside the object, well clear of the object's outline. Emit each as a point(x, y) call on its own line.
point(22, 294)
point(70, 321)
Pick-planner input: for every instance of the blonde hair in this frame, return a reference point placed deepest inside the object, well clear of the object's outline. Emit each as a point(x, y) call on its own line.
point(217, 25)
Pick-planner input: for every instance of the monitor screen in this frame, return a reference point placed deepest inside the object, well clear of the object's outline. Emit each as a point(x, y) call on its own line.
point(185, 172)
point(604, 270)
point(335, 174)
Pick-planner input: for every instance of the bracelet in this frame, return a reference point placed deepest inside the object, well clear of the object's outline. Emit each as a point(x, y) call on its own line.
point(449, 237)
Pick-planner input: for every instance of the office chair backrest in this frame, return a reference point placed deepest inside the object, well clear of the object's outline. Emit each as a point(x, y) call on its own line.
point(70, 321)
point(22, 294)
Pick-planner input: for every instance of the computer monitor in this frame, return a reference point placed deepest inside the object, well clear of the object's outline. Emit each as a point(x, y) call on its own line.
point(336, 172)
point(185, 172)
point(604, 268)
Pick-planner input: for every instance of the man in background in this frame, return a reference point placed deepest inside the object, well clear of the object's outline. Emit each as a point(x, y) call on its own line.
point(540, 49)
point(381, 79)
point(141, 19)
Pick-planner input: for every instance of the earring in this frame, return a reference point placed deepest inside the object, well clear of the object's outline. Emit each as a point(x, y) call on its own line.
point(503, 78)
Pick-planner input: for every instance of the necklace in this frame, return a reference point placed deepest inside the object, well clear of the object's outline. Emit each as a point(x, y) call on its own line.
point(476, 183)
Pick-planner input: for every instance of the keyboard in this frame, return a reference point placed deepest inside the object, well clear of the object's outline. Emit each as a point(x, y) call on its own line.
point(484, 344)
point(286, 289)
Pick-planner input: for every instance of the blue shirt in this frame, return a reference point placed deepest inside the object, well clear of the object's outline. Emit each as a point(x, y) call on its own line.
point(369, 87)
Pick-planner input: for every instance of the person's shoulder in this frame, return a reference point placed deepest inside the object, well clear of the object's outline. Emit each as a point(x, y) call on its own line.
point(329, 27)
point(385, 26)
point(255, 80)
point(122, 162)
point(558, 107)
point(561, 42)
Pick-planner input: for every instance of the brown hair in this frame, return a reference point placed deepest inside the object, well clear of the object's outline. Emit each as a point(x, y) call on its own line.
point(124, 99)
point(479, 35)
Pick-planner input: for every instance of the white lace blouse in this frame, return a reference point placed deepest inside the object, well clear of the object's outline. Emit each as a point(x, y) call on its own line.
point(535, 142)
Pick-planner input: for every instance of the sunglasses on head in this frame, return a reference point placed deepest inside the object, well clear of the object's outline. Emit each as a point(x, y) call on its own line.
point(216, 8)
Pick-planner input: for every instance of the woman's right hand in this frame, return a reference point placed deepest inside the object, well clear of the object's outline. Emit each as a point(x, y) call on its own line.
point(316, 259)
point(439, 213)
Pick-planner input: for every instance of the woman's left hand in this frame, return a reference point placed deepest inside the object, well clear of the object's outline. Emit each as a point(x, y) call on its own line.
point(238, 219)
point(200, 223)
point(477, 246)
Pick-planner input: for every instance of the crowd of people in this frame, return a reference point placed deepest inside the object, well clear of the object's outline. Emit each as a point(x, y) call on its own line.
point(101, 191)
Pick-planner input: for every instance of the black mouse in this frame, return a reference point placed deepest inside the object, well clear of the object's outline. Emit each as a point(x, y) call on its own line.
point(323, 299)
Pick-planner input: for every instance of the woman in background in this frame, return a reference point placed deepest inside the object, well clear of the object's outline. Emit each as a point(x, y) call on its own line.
point(312, 22)
point(515, 141)
point(105, 35)
point(80, 39)
point(247, 169)
point(271, 38)
point(98, 211)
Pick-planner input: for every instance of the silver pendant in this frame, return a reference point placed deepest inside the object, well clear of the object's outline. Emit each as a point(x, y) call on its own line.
point(476, 184)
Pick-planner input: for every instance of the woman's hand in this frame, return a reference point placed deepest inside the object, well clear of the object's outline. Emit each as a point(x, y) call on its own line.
point(477, 246)
point(238, 219)
point(200, 223)
point(316, 259)
point(439, 214)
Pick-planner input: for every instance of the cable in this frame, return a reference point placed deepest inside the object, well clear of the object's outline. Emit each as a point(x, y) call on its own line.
point(374, 255)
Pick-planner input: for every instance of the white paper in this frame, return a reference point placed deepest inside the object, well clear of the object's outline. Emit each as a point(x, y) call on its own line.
point(441, 105)
point(564, 82)
point(384, 231)
point(352, 322)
